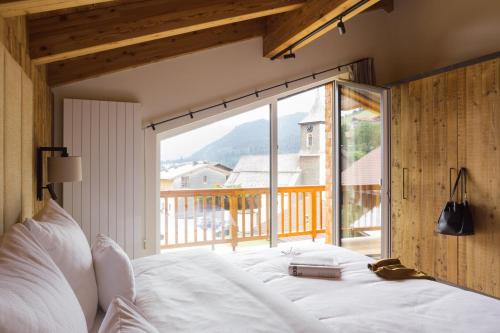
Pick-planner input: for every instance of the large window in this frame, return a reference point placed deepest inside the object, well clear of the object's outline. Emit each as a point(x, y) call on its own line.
point(302, 154)
point(215, 183)
point(223, 186)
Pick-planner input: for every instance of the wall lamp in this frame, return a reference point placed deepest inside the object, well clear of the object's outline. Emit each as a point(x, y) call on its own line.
point(60, 169)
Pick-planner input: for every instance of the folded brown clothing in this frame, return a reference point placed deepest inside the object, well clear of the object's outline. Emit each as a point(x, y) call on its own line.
point(383, 262)
point(400, 272)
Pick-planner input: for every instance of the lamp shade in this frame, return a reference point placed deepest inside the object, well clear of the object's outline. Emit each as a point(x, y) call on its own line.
point(64, 169)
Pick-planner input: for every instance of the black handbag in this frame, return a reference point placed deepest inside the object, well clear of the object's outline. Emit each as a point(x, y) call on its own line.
point(456, 217)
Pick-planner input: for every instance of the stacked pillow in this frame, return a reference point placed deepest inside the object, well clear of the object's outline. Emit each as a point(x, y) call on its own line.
point(34, 294)
point(65, 242)
point(51, 281)
point(113, 271)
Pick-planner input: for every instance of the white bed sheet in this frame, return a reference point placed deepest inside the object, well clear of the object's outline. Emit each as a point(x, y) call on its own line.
point(362, 302)
point(197, 291)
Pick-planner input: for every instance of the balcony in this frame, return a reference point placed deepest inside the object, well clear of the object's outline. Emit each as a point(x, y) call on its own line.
point(233, 216)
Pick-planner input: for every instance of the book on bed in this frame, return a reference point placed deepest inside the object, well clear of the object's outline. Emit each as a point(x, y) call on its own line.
point(314, 265)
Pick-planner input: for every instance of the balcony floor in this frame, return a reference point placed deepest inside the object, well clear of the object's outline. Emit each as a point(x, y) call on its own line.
point(369, 245)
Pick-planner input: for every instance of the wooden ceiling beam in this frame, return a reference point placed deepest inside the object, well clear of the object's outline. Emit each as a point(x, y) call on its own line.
point(57, 38)
point(88, 66)
point(10, 8)
point(285, 29)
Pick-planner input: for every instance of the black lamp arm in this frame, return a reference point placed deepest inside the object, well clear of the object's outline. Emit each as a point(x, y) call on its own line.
point(39, 170)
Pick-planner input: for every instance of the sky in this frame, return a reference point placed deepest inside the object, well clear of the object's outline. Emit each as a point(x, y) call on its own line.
point(185, 144)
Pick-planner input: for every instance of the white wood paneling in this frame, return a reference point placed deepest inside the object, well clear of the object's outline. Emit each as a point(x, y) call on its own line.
point(94, 171)
point(139, 228)
point(129, 175)
point(112, 193)
point(112, 148)
point(76, 150)
point(103, 167)
point(86, 194)
point(68, 142)
point(120, 175)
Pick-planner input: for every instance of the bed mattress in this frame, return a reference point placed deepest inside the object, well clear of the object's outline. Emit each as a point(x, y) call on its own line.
point(362, 302)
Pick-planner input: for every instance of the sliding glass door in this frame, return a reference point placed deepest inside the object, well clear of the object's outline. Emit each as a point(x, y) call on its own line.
point(362, 176)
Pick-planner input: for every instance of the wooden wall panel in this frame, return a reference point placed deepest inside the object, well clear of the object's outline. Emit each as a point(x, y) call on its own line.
point(27, 159)
point(2, 134)
point(16, 123)
point(12, 142)
point(480, 254)
point(110, 139)
point(36, 104)
point(440, 123)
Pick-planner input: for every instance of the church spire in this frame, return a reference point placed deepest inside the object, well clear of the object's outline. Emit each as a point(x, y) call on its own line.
point(317, 112)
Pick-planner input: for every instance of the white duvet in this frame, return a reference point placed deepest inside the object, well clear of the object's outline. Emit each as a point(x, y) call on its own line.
point(363, 302)
point(197, 291)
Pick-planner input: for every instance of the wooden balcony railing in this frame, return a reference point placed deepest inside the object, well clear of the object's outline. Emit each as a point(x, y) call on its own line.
point(195, 217)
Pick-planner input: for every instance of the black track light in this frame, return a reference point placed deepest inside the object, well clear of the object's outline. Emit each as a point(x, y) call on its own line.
point(290, 55)
point(341, 27)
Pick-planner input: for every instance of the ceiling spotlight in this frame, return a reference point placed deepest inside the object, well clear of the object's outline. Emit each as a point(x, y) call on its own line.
point(290, 55)
point(341, 27)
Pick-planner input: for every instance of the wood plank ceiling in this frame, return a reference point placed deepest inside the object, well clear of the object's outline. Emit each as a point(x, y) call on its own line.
point(81, 39)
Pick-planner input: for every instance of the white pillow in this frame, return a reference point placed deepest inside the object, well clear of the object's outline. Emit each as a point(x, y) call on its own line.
point(67, 245)
point(123, 317)
point(34, 295)
point(113, 271)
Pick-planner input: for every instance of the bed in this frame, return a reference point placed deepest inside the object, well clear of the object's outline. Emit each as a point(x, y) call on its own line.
point(46, 288)
point(194, 290)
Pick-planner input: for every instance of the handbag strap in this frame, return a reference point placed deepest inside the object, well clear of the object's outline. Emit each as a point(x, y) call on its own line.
point(462, 175)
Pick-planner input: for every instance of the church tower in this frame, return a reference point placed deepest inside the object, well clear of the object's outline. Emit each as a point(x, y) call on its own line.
point(312, 144)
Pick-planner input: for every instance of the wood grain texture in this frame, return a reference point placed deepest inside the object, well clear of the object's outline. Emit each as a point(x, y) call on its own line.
point(2, 134)
point(480, 253)
point(9, 8)
point(57, 38)
point(13, 36)
point(284, 29)
point(440, 123)
point(27, 159)
point(84, 67)
point(12, 142)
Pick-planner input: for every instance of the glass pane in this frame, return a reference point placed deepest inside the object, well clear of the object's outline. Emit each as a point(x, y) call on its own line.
point(215, 184)
point(360, 170)
point(302, 158)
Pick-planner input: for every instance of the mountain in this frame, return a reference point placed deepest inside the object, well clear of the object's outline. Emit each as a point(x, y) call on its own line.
point(252, 138)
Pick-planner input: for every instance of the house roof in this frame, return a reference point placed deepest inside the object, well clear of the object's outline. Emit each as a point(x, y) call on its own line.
point(188, 168)
point(365, 171)
point(253, 171)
